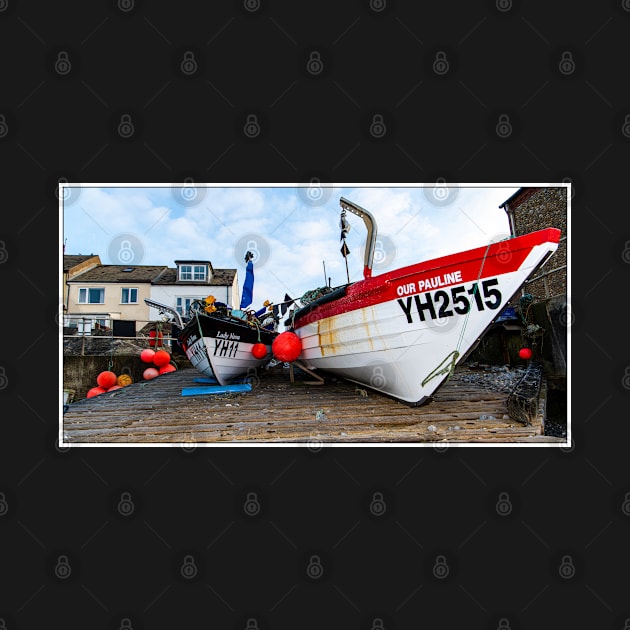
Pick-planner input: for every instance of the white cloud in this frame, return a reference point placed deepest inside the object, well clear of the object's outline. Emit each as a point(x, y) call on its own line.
point(299, 236)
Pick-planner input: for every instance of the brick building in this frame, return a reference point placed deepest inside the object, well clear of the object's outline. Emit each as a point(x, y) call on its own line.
point(531, 209)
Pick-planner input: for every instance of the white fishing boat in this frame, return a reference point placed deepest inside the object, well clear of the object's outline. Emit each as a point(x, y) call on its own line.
point(223, 343)
point(403, 332)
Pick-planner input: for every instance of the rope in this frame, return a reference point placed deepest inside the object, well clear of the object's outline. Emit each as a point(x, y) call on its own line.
point(257, 325)
point(456, 352)
point(531, 331)
point(525, 302)
point(110, 363)
point(454, 355)
point(203, 345)
point(159, 336)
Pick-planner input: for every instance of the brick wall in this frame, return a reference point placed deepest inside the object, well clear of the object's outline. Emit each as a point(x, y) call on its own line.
point(534, 209)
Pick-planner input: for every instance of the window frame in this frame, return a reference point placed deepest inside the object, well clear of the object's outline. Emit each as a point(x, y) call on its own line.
point(185, 270)
point(192, 273)
point(180, 301)
point(129, 289)
point(87, 291)
point(199, 273)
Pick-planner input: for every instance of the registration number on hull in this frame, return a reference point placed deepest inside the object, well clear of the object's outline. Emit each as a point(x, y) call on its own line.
point(196, 353)
point(457, 300)
point(225, 348)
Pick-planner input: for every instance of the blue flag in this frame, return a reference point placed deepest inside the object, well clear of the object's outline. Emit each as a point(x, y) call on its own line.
point(248, 286)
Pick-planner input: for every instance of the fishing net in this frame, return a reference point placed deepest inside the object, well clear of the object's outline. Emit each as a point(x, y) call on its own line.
point(523, 401)
point(533, 333)
point(314, 294)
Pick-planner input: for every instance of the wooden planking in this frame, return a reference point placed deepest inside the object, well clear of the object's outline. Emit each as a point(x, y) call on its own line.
point(279, 411)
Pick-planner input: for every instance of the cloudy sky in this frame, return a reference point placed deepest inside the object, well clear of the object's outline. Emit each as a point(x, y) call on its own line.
point(293, 231)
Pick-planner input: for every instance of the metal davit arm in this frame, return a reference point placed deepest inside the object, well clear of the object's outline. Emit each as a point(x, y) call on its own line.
point(163, 308)
point(370, 224)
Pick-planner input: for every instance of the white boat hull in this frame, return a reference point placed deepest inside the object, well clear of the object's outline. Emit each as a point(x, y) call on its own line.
point(222, 349)
point(407, 346)
point(209, 357)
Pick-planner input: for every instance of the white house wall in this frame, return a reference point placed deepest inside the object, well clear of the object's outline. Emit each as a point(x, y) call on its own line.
point(168, 294)
point(235, 292)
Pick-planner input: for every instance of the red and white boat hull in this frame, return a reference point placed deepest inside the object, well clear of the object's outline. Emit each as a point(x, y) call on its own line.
point(402, 333)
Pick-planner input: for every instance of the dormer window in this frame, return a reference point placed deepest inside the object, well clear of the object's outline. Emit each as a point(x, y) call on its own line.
point(193, 273)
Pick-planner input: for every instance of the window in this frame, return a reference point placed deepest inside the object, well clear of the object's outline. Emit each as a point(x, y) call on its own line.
point(193, 272)
point(129, 296)
point(183, 305)
point(199, 272)
point(83, 325)
point(91, 296)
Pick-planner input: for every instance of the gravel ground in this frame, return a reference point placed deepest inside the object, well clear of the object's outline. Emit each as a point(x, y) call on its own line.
point(557, 429)
point(556, 423)
point(496, 378)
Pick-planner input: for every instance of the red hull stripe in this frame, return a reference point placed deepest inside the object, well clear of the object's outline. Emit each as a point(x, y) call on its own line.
point(500, 258)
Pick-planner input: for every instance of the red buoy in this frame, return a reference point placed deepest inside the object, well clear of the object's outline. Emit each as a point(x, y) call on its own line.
point(111, 389)
point(165, 369)
point(259, 350)
point(161, 358)
point(106, 379)
point(95, 391)
point(286, 347)
point(525, 353)
point(147, 355)
point(150, 373)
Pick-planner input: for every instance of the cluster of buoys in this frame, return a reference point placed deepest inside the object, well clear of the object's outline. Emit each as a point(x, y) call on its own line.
point(107, 381)
point(161, 359)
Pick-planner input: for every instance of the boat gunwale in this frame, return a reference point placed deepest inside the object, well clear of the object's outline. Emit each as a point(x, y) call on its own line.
point(192, 325)
point(375, 284)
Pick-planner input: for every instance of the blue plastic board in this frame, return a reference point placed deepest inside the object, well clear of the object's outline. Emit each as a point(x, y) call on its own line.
point(216, 389)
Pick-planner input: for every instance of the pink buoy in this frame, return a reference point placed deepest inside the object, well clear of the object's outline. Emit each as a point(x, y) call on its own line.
point(150, 373)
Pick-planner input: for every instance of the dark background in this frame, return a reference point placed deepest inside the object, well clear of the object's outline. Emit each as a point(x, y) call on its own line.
point(185, 552)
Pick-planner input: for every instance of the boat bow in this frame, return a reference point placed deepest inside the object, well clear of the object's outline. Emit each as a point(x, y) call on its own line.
point(403, 332)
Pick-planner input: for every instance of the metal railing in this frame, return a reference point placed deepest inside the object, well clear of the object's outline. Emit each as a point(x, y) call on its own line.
point(90, 335)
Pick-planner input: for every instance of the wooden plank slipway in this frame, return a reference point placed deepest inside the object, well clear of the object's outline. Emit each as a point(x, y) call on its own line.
point(276, 410)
